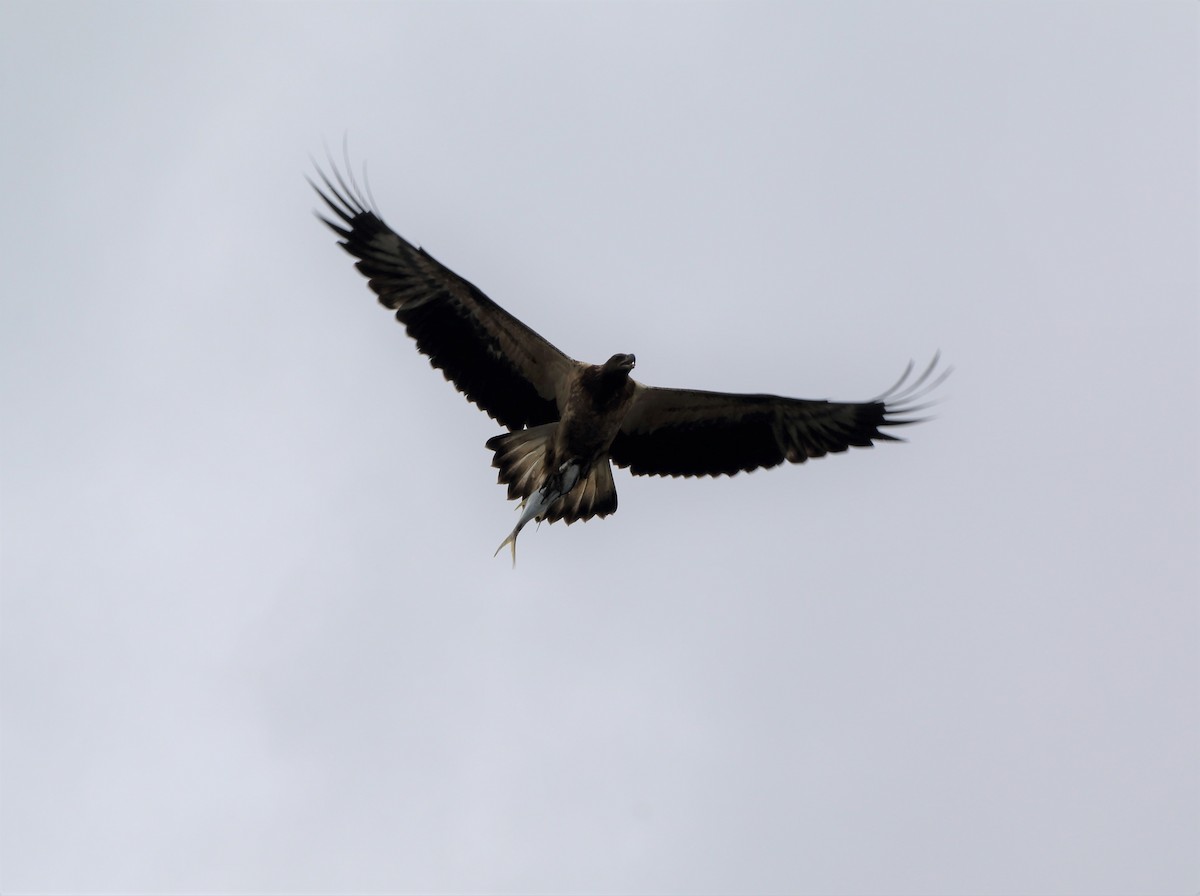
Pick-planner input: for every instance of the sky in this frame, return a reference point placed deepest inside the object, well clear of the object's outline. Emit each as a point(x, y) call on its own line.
point(253, 636)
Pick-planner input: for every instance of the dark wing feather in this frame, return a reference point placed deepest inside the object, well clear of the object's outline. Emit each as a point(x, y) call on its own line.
point(681, 432)
point(495, 360)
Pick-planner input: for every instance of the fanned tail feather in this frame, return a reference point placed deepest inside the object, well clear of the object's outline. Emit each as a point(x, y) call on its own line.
point(521, 458)
point(594, 496)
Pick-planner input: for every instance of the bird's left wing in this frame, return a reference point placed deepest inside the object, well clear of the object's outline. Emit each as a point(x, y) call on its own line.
point(491, 357)
point(684, 432)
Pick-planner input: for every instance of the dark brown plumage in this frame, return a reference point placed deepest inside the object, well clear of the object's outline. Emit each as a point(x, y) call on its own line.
point(566, 419)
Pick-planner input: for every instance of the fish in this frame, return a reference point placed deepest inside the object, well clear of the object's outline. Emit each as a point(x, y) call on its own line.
point(537, 503)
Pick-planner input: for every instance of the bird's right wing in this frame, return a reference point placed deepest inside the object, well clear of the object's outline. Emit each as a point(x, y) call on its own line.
point(685, 432)
point(502, 365)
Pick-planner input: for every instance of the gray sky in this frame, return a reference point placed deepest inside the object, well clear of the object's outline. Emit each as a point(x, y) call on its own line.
point(254, 638)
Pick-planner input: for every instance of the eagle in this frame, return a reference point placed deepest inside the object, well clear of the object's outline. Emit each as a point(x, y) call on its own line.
point(568, 421)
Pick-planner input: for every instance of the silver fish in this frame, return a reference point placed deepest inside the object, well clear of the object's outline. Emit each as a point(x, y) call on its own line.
point(540, 501)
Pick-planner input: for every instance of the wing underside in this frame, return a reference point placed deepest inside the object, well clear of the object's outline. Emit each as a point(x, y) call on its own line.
point(495, 360)
point(682, 432)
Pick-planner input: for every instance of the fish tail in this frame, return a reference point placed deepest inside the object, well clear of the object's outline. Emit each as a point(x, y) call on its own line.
point(534, 507)
point(512, 541)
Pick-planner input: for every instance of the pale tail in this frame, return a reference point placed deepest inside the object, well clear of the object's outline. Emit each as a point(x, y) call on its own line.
point(520, 456)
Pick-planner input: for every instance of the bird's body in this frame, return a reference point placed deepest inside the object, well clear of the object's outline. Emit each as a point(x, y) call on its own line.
point(568, 461)
point(569, 421)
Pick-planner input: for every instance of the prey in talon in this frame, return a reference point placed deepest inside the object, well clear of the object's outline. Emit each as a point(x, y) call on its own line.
point(535, 506)
point(568, 422)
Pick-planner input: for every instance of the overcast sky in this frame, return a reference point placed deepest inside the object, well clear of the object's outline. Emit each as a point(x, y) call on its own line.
point(254, 637)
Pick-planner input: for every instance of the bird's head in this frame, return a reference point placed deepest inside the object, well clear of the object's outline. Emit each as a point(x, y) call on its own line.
point(620, 364)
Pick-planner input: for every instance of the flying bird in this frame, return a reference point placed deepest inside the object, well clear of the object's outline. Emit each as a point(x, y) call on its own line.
point(569, 421)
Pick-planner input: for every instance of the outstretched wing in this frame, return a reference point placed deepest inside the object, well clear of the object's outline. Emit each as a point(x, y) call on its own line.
point(682, 432)
point(491, 357)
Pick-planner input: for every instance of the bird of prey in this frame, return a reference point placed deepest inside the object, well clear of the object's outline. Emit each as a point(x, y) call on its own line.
point(568, 421)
